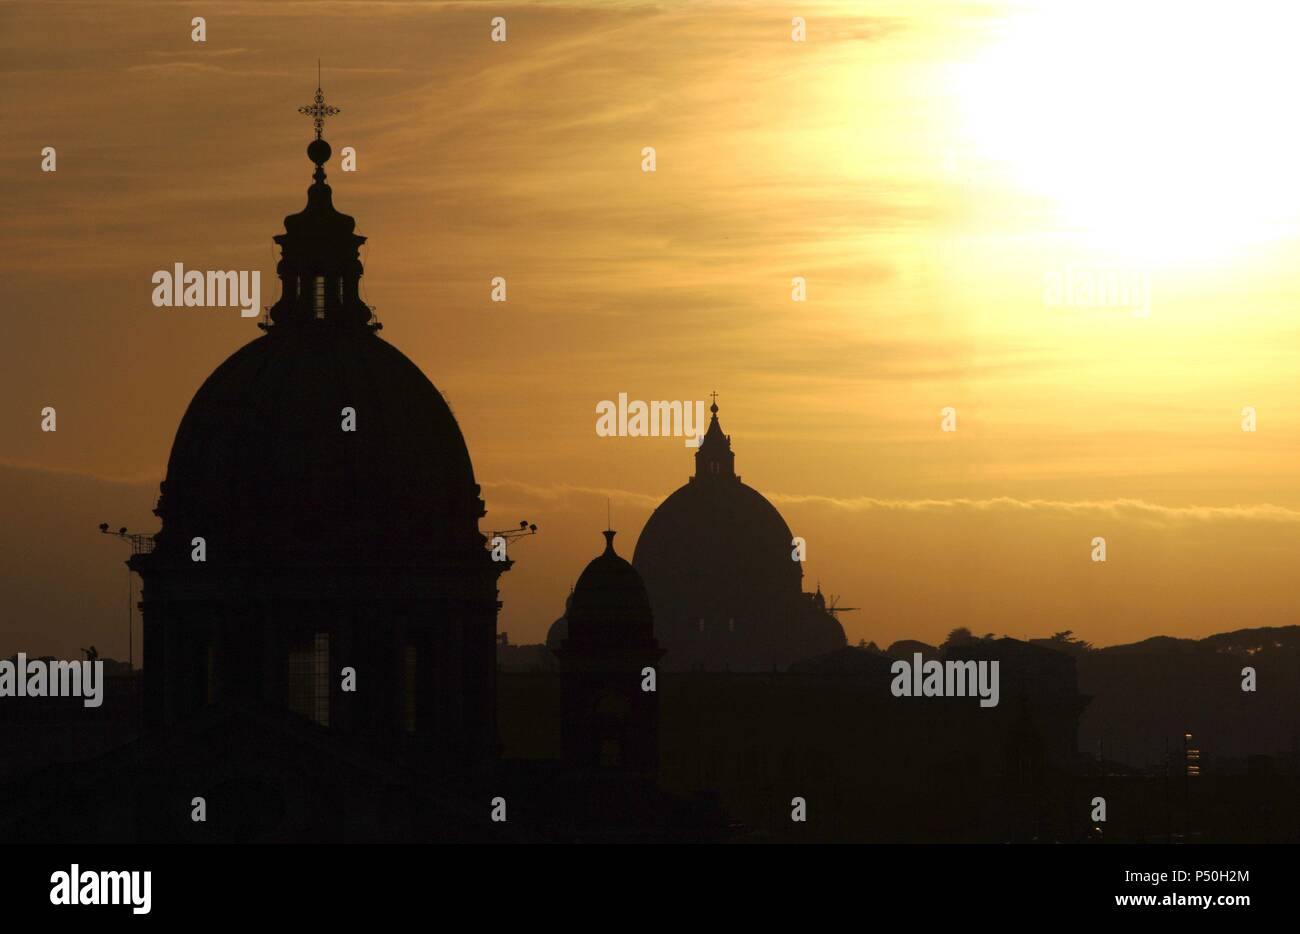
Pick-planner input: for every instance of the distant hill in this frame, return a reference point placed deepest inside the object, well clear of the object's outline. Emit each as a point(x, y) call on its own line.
point(1266, 640)
point(1147, 694)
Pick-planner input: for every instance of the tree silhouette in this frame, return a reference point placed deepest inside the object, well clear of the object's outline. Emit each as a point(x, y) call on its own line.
point(959, 636)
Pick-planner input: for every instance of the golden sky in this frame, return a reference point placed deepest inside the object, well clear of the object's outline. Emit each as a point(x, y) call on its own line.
point(930, 169)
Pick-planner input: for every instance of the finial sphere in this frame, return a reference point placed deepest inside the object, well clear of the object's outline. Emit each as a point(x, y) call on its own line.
point(318, 151)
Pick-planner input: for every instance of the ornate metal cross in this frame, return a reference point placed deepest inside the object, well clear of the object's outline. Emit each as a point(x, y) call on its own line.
point(318, 111)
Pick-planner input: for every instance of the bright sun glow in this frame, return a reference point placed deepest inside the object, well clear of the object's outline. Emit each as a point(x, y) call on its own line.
point(1165, 131)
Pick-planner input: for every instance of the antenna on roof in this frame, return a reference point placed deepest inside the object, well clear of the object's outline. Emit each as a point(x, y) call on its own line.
point(525, 528)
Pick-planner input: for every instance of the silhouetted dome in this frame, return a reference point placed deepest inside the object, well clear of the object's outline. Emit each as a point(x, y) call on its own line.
point(261, 457)
point(716, 534)
point(716, 558)
point(559, 630)
point(336, 503)
point(262, 466)
point(609, 602)
point(707, 531)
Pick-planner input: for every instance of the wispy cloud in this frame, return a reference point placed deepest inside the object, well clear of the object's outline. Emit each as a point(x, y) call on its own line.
point(1131, 508)
point(560, 494)
point(1120, 508)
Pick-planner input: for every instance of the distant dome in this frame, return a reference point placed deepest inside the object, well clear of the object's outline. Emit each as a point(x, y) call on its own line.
point(559, 630)
point(716, 560)
point(709, 532)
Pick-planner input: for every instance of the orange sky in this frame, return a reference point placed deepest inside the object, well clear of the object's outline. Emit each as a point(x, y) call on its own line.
point(927, 167)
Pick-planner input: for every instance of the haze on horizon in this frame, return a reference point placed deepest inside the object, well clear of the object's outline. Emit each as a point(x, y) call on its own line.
point(927, 167)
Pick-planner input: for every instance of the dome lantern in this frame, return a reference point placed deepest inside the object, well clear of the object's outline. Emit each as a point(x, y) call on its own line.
point(320, 269)
point(715, 460)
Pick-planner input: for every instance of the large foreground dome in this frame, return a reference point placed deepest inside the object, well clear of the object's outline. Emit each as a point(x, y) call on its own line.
point(319, 548)
point(261, 464)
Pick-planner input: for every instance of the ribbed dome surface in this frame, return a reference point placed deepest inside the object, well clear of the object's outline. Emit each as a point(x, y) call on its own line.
point(261, 461)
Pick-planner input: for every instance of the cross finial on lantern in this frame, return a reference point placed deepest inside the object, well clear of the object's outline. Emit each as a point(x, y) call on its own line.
point(318, 110)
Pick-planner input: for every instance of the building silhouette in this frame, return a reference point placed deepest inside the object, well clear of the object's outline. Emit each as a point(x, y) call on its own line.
point(335, 501)
point(319, 612)
point(320, 513)
point(717, 560)
point(607, 719)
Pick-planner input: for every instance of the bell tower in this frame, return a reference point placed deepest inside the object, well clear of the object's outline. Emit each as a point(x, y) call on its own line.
point(608, 721)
